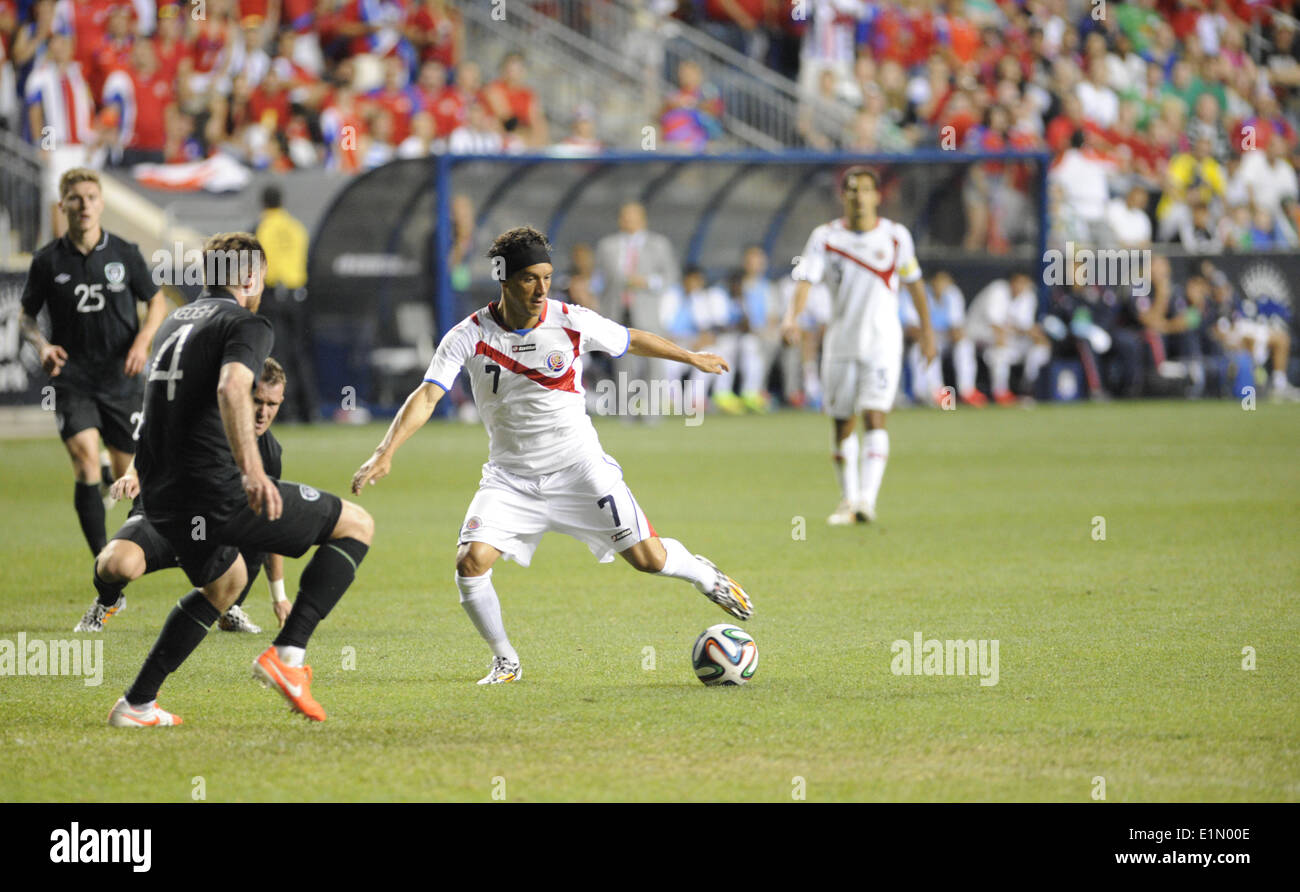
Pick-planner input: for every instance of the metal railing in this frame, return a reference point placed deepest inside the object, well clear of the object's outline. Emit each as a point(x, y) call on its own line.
point(761, 108)
point(21, 208)
point(568, 70)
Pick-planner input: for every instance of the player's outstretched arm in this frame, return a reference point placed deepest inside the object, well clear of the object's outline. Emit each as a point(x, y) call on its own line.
point(410, 418)
point(138, 355)
point(644, 343)
point(235, 400)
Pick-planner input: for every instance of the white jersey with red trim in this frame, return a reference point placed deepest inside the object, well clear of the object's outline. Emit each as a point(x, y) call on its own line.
point(527, 383)
point(864, 272)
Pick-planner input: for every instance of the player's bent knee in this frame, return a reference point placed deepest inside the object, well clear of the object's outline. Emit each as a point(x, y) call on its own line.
point(648, 555)
point(354, 522)
point(120, 561)
point(475, 559)
point(224, 590)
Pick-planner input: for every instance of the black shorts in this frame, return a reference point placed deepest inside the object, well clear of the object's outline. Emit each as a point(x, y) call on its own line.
point(204, 554)
point(158, 552)
point(113, 410)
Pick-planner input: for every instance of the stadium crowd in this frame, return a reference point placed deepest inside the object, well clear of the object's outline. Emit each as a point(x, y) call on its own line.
point(1170, 122)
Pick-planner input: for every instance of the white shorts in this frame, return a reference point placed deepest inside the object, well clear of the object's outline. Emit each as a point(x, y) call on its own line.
point(858, 385)
point(588, 501)
point(1256, 333)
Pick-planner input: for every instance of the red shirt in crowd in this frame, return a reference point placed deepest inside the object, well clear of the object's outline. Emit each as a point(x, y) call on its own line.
point(448, 110)
point(89, 24)
point(269, 108)
point(109, 56)
point(153, 93)
point(520, 101)
point(442, 31)
point(207, 48)
point(400, 104)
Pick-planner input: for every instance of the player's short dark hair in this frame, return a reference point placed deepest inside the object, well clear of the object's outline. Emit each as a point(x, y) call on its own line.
point(272, 373)
point(77, 175)
point(519, 237)
point(522, 241)
point(272, 197)
point(859, 170)
point(228, 257)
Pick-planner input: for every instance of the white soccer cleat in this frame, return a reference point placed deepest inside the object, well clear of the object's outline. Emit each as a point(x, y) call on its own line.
point(1285, 394)
point(502, 671)
point(124, 715)
point(726, 592)
point(236, 620)
point(843, 516)
point(98, 614)
point(865, 513)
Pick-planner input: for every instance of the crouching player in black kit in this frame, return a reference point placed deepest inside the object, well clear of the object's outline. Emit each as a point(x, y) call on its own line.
point(206, 492)
point(137, 548)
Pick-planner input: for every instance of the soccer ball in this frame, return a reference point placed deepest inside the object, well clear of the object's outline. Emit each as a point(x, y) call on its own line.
point(724, 654)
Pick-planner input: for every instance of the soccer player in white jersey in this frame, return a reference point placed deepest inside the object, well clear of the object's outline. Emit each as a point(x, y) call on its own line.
point(861, 258)
point(546, 469)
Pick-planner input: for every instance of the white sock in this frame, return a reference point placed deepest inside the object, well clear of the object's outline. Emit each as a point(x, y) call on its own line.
point(919, 384)
point(845, 459)
point(935, 371)
point(1279, 380)
point(963, 360)
point(874, 456)
point(681, 564)
point(999, 363)
point(480, 601)
point(1039, 356)
point(812, 382)
point(290, 655)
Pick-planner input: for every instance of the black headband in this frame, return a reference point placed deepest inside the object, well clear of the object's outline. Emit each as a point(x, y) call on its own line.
point(524, 257)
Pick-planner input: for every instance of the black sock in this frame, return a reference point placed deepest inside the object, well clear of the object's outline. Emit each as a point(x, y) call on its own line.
point(253, 570)
point(327, 576)
point(109, 592)
point(186, 626)
point(90, 511)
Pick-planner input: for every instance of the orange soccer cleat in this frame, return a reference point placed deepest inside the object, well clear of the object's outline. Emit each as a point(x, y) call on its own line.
point(293, 682)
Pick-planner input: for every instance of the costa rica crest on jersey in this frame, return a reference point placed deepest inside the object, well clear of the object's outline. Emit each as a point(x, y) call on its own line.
point(473, 523)
point(556, 360)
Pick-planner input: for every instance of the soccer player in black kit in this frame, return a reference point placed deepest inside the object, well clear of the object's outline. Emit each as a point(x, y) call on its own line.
point(206, 492)
point(90, 281)
point(137, 549)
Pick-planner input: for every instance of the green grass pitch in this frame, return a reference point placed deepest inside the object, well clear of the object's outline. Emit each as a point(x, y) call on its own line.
point(1119, 658)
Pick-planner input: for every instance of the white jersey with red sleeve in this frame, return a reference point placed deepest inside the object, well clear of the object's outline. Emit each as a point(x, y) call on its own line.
point(527, 383)
point(863, 272)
